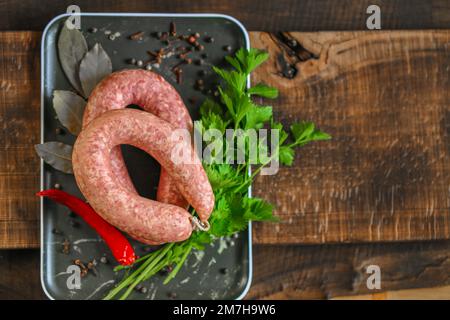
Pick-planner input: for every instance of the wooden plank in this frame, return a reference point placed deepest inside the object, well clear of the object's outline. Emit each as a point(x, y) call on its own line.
point(19, 114)
point(305, 15)
point(439, 293)
point(295, 271)
point(384, 97)
point(328, 271)
point(19, 275)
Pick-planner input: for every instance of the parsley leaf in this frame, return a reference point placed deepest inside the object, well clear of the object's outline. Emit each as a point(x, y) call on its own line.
point(249, 60)
point(257, 116)
point(286, 155)
point(305, 132)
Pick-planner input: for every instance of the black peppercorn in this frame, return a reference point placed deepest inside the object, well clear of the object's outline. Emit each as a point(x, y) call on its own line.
point(223, 270)
point(74, 224)
point(171, 295)
point(56, 231)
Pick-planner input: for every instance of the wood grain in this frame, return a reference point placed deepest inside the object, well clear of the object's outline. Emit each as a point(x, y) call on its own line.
point(298, 271)
point(385, 99)
point(267, 15)
point(19, 114)
point(438, 293)
point(329, 271)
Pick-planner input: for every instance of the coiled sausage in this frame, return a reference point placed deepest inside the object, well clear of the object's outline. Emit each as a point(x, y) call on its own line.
point(146, 220)
point(152, 93)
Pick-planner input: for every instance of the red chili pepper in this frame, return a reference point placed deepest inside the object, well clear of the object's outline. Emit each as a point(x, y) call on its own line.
point(116, 241)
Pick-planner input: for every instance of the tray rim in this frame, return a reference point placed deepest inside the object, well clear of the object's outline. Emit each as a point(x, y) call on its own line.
point(41, 184)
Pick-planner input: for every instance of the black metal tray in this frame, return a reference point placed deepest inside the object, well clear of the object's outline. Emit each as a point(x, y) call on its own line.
point(203, 276)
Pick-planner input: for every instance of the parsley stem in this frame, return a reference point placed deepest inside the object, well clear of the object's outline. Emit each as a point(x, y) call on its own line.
point(144, 257)
point(179, 265)
point(126, 281)
point(147, 269)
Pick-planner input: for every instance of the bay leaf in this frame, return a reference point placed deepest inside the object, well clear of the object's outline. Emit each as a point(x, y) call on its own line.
point(69, 108)
point(72, 47)
point(95, 65)
point(56, 154)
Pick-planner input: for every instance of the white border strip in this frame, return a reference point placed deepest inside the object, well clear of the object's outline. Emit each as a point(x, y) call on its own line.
point(169, 15)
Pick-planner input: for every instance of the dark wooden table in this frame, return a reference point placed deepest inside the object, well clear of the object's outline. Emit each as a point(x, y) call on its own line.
point(281, 271)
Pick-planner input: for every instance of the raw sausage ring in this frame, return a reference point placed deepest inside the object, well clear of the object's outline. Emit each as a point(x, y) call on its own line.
point(146, 220)
point(152, 93)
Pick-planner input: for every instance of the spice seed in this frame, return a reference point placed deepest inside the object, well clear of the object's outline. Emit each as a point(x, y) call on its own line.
point(132, 61)
point(104, 260)
point(66, 246)
point(173, 29)
point(227, 48)
point(57, 231)
point(144, 290)
point(199, 87)
point(191, 39)
point(172, 295)
point(92, 30)
point(209, 39)
point(223, 270)
point(137, 36)
point(57, 186)
point(112, 37)
point(74, 224)
point(139, 63)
